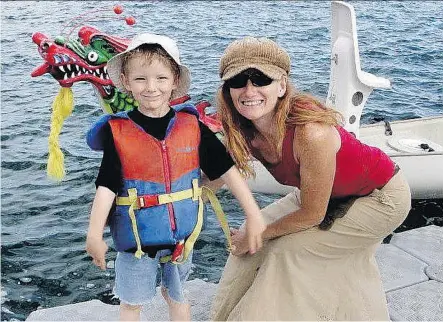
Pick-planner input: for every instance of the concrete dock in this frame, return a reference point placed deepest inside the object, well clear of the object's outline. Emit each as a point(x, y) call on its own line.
point(411, 266)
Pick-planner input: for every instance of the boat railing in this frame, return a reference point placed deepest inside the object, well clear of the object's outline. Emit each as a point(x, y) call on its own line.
point(349, 86)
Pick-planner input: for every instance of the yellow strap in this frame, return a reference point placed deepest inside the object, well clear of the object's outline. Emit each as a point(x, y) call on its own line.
point(219, 213)
point(133, 198)
point(190, 241)
point(165, 198)
point(189, 244)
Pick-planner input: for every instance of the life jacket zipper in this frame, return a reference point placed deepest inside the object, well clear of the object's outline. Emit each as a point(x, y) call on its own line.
point(167, 174)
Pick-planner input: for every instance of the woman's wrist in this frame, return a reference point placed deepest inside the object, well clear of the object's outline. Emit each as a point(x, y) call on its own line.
point(267, 235)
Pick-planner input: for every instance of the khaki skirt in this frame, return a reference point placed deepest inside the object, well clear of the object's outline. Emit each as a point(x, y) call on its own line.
point(316, 274)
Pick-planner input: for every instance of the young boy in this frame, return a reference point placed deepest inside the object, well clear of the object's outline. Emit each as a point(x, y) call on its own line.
point(151, 168)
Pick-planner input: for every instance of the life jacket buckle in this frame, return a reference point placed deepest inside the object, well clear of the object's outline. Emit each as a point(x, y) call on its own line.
point(177, 254)
point(141, 202)
point(146, 201)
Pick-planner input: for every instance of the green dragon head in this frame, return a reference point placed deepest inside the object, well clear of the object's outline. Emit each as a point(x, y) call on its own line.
point(84, 59)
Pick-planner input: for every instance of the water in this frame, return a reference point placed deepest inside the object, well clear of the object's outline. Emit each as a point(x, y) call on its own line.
point(44, 224)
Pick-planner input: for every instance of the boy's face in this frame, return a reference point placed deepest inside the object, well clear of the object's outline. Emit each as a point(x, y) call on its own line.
point(151, 84)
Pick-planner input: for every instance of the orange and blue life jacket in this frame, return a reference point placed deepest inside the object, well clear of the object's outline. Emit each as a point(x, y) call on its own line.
point(159, 202)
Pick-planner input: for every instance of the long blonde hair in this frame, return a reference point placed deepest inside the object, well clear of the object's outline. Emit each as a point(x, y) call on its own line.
point(294, 108)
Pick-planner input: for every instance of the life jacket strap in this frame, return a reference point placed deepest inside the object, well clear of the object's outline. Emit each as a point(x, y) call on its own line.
point(184, 248)
point(216, 206)
point(145, 201)
point(190, 241)
point(132, 196)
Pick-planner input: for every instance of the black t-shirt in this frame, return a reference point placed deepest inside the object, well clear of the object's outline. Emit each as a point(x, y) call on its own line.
point(214, 158)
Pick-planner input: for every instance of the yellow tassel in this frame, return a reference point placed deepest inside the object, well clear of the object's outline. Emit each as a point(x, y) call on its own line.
point(61, 109)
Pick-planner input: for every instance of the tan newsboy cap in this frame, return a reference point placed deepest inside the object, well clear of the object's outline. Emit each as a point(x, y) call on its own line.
point(259, 53)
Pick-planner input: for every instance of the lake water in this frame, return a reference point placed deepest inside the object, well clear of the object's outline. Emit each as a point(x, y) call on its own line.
point(43, 224)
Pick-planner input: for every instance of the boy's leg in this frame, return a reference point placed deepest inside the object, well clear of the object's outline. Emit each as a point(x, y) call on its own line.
point(177, 311)
point(172, 286)
point(130, 312)
point(135, 281)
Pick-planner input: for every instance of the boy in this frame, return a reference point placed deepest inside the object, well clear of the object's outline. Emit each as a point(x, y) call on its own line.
point(151, 168)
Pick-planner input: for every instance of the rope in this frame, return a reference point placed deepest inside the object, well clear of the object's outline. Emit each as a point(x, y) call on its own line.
point(61, 109)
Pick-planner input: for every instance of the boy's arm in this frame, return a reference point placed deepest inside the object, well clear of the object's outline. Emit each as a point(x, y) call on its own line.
point(214, 185)
point(254, 221)
point(95, 245)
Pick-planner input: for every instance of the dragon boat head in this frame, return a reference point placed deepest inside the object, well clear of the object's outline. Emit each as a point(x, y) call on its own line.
point(84, 59)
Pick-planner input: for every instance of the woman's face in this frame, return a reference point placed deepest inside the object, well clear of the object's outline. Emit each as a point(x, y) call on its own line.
point(256, 101)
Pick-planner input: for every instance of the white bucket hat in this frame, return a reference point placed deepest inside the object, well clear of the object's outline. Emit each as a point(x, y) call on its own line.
point(169, 45)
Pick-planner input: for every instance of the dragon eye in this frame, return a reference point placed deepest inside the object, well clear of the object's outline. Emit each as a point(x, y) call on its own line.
point(45, 45)
point(92, 56)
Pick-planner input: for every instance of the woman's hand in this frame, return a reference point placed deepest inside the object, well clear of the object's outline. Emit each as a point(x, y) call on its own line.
point(255, 226)
point(97, 248)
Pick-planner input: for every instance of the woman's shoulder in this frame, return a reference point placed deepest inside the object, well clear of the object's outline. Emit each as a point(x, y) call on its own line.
point(314, 131)
point(317, 134)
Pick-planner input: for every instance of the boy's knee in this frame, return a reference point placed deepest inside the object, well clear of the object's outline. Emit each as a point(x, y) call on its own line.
point(170, 301)
point(164, 293)
point(166, 296)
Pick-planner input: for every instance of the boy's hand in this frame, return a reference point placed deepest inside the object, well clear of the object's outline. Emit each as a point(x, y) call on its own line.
point(255, 226)
point(97, 248)
point(239, 242)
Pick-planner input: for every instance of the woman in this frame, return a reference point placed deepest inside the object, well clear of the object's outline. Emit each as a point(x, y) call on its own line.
point(318, 262)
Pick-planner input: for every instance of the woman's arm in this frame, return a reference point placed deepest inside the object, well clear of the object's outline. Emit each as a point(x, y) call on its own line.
point(315, 146)
point(254, 221)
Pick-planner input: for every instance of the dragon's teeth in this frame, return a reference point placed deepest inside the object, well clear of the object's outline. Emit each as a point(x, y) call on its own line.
point(69, 67)
point(62, 68)
point(65, 77)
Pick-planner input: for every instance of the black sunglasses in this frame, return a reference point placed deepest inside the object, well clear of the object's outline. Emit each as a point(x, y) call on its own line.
point(257, 78)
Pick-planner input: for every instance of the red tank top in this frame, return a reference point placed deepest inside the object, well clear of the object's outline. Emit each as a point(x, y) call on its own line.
point(360, 168)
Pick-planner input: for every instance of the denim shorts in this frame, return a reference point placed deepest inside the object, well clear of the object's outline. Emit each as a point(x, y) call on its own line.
point(135, 279)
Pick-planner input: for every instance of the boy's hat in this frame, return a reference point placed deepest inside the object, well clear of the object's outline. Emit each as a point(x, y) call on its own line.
point(259, 53)
point(169, 45)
